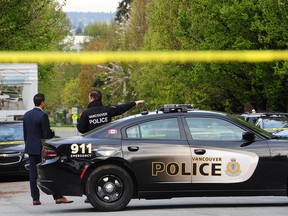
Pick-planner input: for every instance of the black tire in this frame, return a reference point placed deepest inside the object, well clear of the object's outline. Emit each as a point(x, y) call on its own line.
point(109, 188)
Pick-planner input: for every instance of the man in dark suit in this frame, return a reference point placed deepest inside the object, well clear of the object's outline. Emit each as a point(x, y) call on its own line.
point(36, 126)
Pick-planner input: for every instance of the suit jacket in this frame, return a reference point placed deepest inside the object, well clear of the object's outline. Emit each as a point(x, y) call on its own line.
point(36, 126)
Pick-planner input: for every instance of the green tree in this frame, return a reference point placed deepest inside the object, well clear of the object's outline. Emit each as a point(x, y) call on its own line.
point(238, 25)
point(55, 86)
point(88, 75)
point(70, 96)
point(122, 12)
point(217, 25)
point(32, 25)
point(163, 83)
point(99, 34)
point(111, 78)
point(98, 31)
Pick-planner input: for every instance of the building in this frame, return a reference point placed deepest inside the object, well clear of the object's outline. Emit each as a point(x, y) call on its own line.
point(18, 85)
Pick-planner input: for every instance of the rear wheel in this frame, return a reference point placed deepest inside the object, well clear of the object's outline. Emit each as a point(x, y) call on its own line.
point(109, 188)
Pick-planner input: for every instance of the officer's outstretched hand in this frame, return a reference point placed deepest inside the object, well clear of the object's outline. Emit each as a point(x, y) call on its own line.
point(139, 102)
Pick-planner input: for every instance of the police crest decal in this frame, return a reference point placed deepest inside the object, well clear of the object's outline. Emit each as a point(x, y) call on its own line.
point(233, 168)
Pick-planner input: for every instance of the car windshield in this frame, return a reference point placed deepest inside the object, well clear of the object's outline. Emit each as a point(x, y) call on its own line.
point(275, 123)
point(11, 132)
point(253, 127)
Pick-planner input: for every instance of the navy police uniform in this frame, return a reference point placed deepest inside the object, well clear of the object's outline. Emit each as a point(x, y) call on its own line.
point(97, 114)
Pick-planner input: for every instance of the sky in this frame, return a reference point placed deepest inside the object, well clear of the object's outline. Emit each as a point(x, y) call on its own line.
point(90, 5)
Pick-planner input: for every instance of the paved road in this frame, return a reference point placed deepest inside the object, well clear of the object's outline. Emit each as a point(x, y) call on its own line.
point(15, 200)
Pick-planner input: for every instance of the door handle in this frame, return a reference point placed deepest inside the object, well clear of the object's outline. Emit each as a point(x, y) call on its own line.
point(133, 148)
point(200, 151)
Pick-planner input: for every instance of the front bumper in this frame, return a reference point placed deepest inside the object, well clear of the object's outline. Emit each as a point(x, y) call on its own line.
point(14, 169)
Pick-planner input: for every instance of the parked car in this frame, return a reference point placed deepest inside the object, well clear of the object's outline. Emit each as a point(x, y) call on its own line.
point(173, 152)
point(13, 160)
point(277, 125)
point(251, 117)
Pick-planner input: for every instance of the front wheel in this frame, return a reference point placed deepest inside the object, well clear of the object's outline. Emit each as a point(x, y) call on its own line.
point(109, 188)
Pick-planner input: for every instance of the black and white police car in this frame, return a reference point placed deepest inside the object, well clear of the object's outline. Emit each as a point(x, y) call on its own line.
point(173, 152)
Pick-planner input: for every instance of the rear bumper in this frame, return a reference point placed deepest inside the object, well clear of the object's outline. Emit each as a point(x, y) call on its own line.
point(57, 178)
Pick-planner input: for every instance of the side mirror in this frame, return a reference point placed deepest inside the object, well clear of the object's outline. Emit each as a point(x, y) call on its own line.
point(249, 137)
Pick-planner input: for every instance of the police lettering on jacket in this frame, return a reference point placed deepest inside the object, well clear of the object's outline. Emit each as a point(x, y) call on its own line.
point(96, 115)
point(99, 118)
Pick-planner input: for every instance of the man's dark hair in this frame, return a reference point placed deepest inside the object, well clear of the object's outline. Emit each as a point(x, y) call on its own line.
point(38, 98)
point(96, 95)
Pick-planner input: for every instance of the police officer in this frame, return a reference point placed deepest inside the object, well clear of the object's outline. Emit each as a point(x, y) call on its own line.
point(97, 114)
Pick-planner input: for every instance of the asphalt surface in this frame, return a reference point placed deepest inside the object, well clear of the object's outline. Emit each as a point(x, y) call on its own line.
point(15, 200)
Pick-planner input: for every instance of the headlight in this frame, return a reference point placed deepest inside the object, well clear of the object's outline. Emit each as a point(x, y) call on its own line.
point(26, 156)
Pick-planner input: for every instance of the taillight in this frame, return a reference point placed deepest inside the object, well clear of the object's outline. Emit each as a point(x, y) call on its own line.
point(83, 172)
point(49, 153)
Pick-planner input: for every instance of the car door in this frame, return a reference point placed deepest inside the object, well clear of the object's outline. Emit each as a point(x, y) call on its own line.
point(158, 153)
point(218, 160)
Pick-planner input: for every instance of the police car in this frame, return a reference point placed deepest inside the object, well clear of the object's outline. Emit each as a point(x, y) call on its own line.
point(173, 152)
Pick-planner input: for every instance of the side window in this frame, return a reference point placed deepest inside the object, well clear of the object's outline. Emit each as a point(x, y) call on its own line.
point(133, 132)
point(213, 129)
point(157, 129)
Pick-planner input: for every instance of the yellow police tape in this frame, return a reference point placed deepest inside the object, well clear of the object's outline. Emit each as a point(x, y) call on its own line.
point(12, 143)
point(276, 129)
point(143, 56)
